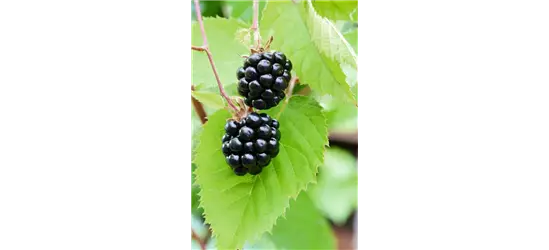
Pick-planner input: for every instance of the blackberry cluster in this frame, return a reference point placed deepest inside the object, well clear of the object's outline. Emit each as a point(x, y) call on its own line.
point(263, 79)
point(249, 145)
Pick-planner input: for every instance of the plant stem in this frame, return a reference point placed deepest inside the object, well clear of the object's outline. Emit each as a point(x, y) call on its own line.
point(255, 24)
point(195, 236)
point(288, 94)
point(199, 108)
point(197, 48)
point(205, 48)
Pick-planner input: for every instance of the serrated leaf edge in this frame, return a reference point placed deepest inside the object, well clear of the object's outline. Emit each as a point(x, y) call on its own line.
point(310, 101)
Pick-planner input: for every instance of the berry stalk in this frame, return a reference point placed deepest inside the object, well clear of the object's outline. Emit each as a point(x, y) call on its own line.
point(206, 49)
point(255, 24)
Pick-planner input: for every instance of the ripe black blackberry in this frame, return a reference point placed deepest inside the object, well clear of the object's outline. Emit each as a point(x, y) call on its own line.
point(263, 79)
point(249, 145)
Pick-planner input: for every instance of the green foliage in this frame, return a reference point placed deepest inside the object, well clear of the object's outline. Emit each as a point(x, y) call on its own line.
point(336, 10)
point(354, 15)
point(242, 9)
point(298, 88)
point(345, 26)
point(303, 227)
point(209, 99)
point(264, 243)
point(209, 8)
point(226, 50)
point(303, 125)
point(340, 116)
point(319, 52)
point(352, 38)
point(343, 118)
point(196, 210)
point(335, 193)
point(196, 128)
point(241, 208)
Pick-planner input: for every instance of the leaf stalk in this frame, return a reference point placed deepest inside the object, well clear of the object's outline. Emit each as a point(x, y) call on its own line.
point(206, 49)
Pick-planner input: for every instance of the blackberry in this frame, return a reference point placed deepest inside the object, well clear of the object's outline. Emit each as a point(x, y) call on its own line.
point(263, 78)
point(250, 144)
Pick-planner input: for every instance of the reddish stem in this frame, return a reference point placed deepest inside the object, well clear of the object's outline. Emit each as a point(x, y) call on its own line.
point(197, 48)
point(205, 48)
point(199, 108)
point(201, 23)
point(255, 24)
point(195, 236)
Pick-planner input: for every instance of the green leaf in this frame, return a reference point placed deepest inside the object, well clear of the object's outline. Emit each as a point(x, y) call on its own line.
point(208, 8)
point(318, 51)
point(343, 119)
point(336, 10)
point(354, 15)
point(226, 52)
point(340, 116)
point(210, 99)
point(303, 227)
point(196, 128)
point(303, 125)
point(241, 208)
point(242, 9)
point(336, 192)
point(345, 26)
point(352, 38)
point(298, 88)
point(195, 199)
point(351, 78)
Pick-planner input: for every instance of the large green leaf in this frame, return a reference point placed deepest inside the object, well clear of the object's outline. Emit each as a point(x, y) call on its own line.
point(303, 125)
point(336, 192)
point(226, 50)
point(319, 53)
point(336, 10)
point(241, 208)
point(303, 227)
point(302, 218)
